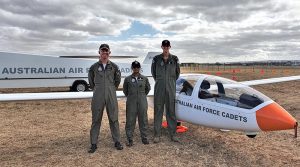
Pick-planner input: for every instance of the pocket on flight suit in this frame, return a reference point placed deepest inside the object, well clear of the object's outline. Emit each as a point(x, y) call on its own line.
point(141, 85)
point(98, 77)
point(110, 74)
point(131, 88)
point(160, 70)
point(172, 69)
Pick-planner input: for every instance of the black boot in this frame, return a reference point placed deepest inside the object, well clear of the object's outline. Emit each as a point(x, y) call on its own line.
point(118, 145)
point(145, 141)
point(130, 143)
point(93, 148)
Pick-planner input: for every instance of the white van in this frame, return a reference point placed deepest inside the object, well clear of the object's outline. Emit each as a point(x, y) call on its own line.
point(30, 71)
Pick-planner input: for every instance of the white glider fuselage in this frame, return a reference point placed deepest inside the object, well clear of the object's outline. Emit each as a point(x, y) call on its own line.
point(229, 105)
point(211, 114)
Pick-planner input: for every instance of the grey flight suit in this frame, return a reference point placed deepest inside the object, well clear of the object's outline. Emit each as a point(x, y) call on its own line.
point(165, 75)
point(104, 83)
point(136, 90)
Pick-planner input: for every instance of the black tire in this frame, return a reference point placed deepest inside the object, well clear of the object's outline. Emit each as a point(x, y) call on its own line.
point(79, 86)
point(251, 136)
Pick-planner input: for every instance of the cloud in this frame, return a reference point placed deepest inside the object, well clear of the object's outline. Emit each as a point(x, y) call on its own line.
point(201, 31)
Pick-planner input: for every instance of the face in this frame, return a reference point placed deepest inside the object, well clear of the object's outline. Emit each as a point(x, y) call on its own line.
point(104, 54)
point(136, 70)
point(166, 49)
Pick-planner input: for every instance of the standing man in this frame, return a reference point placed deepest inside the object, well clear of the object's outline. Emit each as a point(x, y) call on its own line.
point(165, 71)
point(136, 87)
point(104, 79)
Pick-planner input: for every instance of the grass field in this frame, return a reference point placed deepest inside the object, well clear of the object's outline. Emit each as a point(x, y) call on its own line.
point(56, 133)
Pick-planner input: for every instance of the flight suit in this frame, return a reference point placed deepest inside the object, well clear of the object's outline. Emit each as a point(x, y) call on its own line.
point(136, 90)
point(165, 75)
point(104, 82)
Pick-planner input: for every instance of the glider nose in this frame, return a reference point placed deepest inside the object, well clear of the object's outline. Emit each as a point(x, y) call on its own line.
point(274, 117)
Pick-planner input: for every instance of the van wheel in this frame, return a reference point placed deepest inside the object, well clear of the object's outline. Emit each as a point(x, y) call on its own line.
point(79, 86)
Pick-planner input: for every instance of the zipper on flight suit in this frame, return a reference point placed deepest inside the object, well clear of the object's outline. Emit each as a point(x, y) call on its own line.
point(104, 70)
point(165, 64)
point(137, 92)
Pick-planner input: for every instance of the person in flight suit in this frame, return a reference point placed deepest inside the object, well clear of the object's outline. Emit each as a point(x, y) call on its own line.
point(104, 78)
point(136, 87)
point(165, 71)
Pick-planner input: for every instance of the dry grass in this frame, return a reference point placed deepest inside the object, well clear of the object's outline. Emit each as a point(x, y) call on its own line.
point(56, 133)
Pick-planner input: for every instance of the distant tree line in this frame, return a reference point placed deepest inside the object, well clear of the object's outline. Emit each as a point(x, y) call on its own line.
point(248, 63)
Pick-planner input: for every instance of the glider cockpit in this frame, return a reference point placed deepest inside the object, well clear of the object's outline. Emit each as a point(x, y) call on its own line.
point(219, 90)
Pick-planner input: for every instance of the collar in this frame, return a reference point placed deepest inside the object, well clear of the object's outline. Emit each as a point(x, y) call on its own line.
point(139, 76)
point(169, 58)
point(108, 62)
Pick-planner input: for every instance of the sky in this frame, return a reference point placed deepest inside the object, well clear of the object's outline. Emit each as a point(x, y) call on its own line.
point(203, 31)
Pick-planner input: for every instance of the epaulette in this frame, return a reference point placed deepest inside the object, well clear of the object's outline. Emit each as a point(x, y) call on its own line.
point(175, 58)
point(114, 65)
point(92, 66)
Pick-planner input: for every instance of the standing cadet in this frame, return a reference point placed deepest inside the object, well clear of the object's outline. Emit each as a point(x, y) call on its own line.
point(104, 79)
point(136, 87)
point(165, 71)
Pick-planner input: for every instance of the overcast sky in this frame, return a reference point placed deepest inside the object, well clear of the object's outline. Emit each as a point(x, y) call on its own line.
point(199, 30)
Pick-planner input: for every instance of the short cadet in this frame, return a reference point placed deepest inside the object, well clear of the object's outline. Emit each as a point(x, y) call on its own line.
point(104, 78)
point(165, 71)
point(136, 87)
